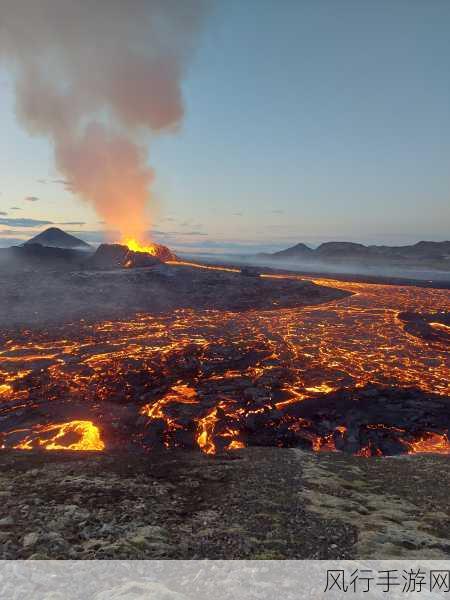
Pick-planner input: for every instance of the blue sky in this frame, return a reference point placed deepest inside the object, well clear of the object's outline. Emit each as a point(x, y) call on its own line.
point(305, 121)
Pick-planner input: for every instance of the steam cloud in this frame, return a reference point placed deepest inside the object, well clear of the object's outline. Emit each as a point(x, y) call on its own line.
point(95, 76)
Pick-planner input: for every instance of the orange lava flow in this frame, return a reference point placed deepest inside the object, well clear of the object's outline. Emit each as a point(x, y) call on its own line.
point(5, 389)
point(205, 431)
point(178, 394)
point(181, 393)
point(236, 445)
point(440, 327)
point(435, 443)
point(301, 353)
point(63, 436)
point(183, 263)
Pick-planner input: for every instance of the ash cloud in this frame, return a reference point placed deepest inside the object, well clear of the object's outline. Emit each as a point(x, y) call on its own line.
point(97, 77)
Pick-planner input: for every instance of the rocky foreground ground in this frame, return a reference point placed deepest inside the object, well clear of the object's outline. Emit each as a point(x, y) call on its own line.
point(258, 503)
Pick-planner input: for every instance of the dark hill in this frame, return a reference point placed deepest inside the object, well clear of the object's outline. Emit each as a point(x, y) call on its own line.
point(421, 249)
point(57, 238)
point(342, 249)
point(299, 250)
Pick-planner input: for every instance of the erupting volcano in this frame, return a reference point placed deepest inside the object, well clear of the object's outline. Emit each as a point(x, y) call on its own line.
point(159, 251)
point(99, 119)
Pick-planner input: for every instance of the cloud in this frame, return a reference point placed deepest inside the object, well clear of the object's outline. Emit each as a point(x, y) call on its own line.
point(15, 208)
point(201, 233)
point(32, 199)
point(73, 223)
point(41, 181)
point(190, 224)
point(9, 233)
point(277, 212)
point(68, 185)
point(24, 222)
point(176, 233)
point(238, 214)
point(3, 213)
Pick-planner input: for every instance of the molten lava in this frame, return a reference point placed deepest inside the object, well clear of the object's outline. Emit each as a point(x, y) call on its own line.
point(133, 245)
point(205, 432)
point(136, 249)
point(441, 327)
point(430, 442)
point(74, 435)
point(223, 380)
point(184, 263)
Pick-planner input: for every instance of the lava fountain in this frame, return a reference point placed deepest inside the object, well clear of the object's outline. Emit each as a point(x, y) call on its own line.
point(135, 246)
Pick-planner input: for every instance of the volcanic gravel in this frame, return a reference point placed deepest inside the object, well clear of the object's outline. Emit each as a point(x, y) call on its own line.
point(170, 505)
point(258, 503)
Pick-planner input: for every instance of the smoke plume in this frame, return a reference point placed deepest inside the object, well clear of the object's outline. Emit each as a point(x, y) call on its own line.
point(96, 77)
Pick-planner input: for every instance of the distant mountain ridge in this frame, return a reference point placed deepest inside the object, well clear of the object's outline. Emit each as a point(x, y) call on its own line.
point(433, 255)
point(54, 237)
